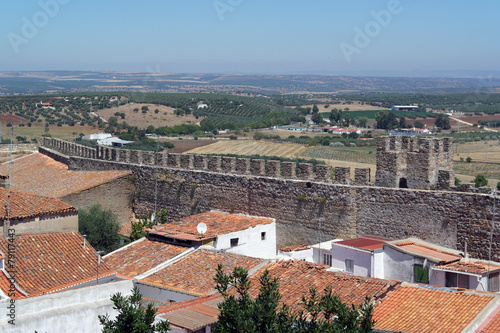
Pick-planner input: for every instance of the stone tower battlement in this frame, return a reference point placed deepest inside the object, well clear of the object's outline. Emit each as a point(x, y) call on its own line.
point(417, 163)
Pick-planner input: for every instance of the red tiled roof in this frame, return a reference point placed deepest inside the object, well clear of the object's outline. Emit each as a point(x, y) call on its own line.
point(193, 314)
point(125, 229)
point(298, 247)
point(297, 277)
point(42, 175)
point(24, 205)
point(470, 266)
point(492, 323)
point(365, 243)
point(51, 261)
point(218, 223)
point(141, 256)
point(5, 284)
point(416, 309)
point(195, 273)
point(427, 251)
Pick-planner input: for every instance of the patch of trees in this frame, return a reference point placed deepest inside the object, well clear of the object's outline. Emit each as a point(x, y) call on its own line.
point(322, 312)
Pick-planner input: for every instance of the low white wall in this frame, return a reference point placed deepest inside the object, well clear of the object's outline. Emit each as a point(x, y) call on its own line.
point(305, 255)
point(250, 242)
point(362, 259)
point(74, 310)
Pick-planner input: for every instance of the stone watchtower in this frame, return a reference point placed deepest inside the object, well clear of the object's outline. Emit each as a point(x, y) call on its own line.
point(411, 162)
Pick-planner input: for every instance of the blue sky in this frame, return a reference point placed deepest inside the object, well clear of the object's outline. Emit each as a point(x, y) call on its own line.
point(250, 36)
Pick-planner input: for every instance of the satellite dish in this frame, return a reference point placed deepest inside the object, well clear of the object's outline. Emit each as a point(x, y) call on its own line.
point(202, 228)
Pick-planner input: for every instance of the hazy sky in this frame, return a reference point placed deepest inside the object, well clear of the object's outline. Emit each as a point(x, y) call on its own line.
point(250, 36)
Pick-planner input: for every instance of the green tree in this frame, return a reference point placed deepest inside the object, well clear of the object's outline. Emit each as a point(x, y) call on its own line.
point(100, 226)
point(335, 116)
point(315, 109)
point(147, 221)
point(442, 121)
point(132, 318)
point(317, 118)
point(480, 180)
point(362, 121)
point(326, 313)
point(418, 124)
point(386, 120)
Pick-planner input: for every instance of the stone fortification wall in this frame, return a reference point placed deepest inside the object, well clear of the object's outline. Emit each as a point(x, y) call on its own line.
point(229, 165)
point(308, 208)
point(411, 162)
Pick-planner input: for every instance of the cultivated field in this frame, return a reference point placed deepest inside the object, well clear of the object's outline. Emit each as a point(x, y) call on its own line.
point(355, 106)
point(251, 147)
point(164, 117)
point(64, 132)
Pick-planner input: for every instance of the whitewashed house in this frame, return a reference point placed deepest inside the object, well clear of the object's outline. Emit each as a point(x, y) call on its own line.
point(414, 260)
point(469, 274)
point(361, 256)
point(240, 234)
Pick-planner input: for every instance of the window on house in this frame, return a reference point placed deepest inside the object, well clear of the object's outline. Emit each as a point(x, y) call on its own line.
point(234, 242)
point(327, 259)
point(454, 280)
point(420, 274)
point(263, 235)
point(493, 282)
point(349, 266)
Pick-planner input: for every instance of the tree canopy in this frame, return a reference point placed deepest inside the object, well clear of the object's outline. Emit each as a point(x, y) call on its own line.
point(387, 120)
point(323, 313)
point(132, 318)
point(100, 226)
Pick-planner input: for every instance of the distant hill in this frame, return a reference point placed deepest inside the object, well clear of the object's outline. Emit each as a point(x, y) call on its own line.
point(79, 81)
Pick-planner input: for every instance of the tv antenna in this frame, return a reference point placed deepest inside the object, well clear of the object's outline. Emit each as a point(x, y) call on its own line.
point(201, 228)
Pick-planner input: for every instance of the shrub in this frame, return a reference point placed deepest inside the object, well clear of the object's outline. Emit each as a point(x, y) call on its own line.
point(480, 180)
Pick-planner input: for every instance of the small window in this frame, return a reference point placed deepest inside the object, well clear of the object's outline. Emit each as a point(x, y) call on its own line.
point(327, 259)
point(454, 280)
point(234, 242)
point(493, 282)
point(451, 279)
point(421, 274)
point(263, 235)
point(349, 266)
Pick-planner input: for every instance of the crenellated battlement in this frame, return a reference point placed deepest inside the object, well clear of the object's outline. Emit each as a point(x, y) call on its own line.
point(411, 162)
point(212, 163)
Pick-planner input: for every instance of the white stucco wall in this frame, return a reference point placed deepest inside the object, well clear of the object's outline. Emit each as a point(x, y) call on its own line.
point(73, 310)
point(362, 259)
point(305, 255)
point(399, 266)
point(439, 279)
point(48, 223)
point(250, 243)
point(378, 264)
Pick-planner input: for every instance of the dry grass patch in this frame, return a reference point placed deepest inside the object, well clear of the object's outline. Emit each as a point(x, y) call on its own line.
point(251, 147)
point(143, 120)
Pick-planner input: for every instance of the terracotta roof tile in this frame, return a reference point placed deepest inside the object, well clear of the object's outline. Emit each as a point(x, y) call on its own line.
point(195, 273)
point(470, 266)
point(298, 247)
point(417, 309)
point(297, 277)
point(193, 314)
point(42, 175)
point(365, 243)
point(421, 248)
point(24, 205)
point(492, 323)
point(218, 223)
point(141, 256)
point(50, 261)
point(5, 285)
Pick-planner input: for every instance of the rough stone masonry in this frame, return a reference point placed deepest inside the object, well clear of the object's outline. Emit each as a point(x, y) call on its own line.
point(308, 206)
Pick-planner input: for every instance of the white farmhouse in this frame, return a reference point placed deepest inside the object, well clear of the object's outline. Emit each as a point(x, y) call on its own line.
point(361, 256)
